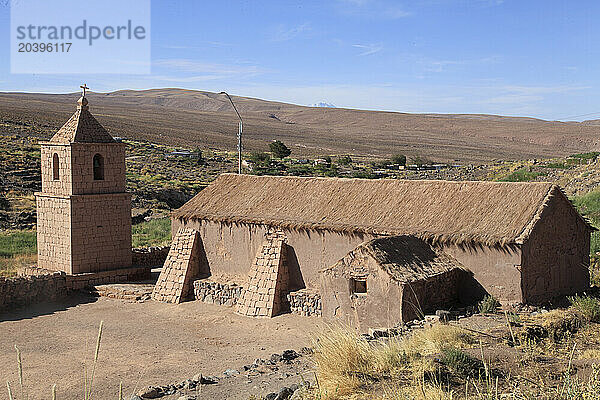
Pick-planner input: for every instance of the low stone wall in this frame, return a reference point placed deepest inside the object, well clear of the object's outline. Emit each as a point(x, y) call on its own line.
point(149, 256)
point(23, 290)
point(305, 302)
point(213, 292)
point(81, 281)
point(36, 285)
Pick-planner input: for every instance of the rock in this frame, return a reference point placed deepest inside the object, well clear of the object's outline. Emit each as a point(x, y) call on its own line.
point(231, 372)
point(432, 318)
point(378, 332)
point(294, 387)
point(289, 355)
point(189, 384)
point(306, 350)
point(297, 394)
point(206, 380)
point(271, 396)
point(443, 315)
point(275, 358)
point(284, 393)
point(135, 397)
point(151, 392)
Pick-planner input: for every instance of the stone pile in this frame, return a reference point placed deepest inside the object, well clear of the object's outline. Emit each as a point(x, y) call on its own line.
point(149, 256)
point(24, 290)
point(212, 292)
point(305, 302)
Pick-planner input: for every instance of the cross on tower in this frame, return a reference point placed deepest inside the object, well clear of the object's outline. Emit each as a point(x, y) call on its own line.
point(84, 87)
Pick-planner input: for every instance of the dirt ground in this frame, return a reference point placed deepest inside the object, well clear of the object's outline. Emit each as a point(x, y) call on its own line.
point(144, 344)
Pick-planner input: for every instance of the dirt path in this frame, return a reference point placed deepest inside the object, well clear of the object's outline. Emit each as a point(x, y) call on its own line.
point(142, 344)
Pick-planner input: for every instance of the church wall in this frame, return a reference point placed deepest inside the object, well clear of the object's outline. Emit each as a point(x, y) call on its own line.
point(113, 155)
point(54, 232)
point(62, 186)
point(231, 249)
point(101, 232)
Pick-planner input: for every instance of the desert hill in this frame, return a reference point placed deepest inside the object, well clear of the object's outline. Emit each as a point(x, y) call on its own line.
point(196, 118)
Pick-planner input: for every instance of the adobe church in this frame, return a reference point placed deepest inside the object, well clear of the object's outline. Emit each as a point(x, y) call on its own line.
point(83, 211)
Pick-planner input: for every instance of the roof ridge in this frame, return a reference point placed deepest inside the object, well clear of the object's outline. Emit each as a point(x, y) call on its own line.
point(326, 178)
point(82, 127)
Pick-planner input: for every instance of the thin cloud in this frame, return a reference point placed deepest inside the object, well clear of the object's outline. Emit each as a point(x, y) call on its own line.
point(368, 49)
point(378, 9)
point(197, 71)
point(282, 33)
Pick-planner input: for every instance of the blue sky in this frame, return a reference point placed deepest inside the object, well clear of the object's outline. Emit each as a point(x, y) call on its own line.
point(528, 58)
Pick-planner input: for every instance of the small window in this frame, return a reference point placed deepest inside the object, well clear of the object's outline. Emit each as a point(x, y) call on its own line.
point(358, 286)
point(55, 167)
point(98, 168)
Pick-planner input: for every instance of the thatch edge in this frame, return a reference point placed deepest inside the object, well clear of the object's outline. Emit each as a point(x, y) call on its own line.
point(364, 246)
point(554, 191)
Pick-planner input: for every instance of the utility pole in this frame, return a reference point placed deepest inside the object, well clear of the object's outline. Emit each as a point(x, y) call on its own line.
point(239, 136)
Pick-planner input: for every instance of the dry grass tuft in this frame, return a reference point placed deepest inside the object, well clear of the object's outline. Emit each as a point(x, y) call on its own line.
point(590, 354)
point(558, 324)
point(436, 338)
point(348, 365)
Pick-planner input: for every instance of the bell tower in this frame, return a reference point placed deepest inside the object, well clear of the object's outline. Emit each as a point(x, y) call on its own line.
point(83, 211)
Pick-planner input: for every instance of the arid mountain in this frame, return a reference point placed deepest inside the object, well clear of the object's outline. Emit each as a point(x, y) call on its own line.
point(195, 118)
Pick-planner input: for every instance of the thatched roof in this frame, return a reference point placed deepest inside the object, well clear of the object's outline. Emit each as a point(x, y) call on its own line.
point(490, 213)
point(404, 258)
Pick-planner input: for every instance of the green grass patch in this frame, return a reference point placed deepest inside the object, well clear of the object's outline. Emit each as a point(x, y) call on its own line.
point(586, 156)
point(18, 243)
point(17, 249)
point(589, 206)
point(156, 232)
point(558, 165)
point(523, 174)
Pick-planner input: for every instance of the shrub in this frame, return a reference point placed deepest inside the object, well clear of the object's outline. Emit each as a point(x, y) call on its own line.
point(587, 306)
point(344, 160)
point(420, 161)
point(523, 174)
point(589, 206)
point(259, 157)
point(460, 362)
point(300, 170)
point(586, 156)
point(488, 305)
point(399, 159)
point(363, 174)
point(279, 149)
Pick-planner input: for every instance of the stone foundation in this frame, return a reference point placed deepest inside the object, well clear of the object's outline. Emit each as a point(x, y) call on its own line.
point(305, 302)
point(213, 292)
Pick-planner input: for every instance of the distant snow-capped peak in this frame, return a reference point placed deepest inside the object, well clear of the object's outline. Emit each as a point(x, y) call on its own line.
point(322, 104)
